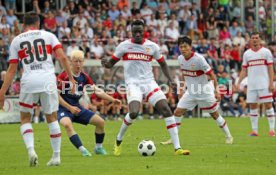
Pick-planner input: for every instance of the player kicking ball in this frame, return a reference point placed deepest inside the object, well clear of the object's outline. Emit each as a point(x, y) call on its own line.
point(70, 111)
point(137, 54)
point(200, 91)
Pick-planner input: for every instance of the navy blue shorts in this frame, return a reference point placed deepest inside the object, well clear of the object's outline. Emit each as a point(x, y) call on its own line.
point(83, 117)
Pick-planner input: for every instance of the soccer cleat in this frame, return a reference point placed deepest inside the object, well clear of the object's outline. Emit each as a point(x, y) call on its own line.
point(33, 160)
point(54, 162)
point(100, 151)
point(86, 153)
point(272, 133)
point(168, 142)
point(181, 151)
point(117, 149)
point(229, 140)
point(254, 133)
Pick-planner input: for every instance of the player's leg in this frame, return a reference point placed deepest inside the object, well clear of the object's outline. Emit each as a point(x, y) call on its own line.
point(223, 125)
point(49, 103)
point(164, 109)
point(99, 134)
point(252, 100)
point(66, 122)
point(271, 118)
point(26, 109)
point(267, 98)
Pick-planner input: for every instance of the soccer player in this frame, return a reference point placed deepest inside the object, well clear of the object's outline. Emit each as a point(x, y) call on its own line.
point(137, 54)
point(200, 91)
point(71, 111)
point(34, 48)
point(257, 64)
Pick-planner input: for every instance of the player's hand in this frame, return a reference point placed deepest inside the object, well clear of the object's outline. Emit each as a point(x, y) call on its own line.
point(2, 100)
point(117, 103)
point(217, 96)
point(104, 62)
point(271, 87)
point(73, 86)
point(173, 85)
point(75, 110)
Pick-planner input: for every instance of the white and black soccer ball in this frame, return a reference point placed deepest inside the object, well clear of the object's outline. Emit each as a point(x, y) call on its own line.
point(146, 148)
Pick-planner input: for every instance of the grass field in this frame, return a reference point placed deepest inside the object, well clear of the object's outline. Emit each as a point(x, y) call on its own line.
point(209, 154)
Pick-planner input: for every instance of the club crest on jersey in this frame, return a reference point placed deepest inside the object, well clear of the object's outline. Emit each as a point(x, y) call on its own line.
point(147, 49)
point(193, 66)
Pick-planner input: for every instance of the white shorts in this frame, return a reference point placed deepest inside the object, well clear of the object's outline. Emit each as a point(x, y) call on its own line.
point(206, 102)
point(150, 91)
point(259, 96)
point(49, 102)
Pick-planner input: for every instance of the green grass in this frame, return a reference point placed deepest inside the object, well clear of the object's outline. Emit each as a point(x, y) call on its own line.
point(209, 154)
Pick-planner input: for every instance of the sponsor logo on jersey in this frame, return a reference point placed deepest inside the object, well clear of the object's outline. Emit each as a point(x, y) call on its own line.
point(257, 62)
point(147, 49)
point(137, 56)
point(193, 66)
point(190, 73)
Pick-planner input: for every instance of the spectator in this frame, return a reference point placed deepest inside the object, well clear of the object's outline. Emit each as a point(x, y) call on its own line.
point(239, 40)
point(4, 23)
point(212, 28)
point(63, 30)
point(249, 24)
point(10, 4)
point(172, 33)
point(3, 9)
point(225, 36)
point(50, 23)
point(233, 30)
point(80, 19)
point(146, 12)
point(120, 21)
point(135, 10)
point(85, 47)
point(113, 13)
point(126, 13)
point(87, 31)
point(11, 17)
point(71, 47)
point(122, 3)
point(110, 47)
point(97, 50)
point(3, 55)
point(183, 16)
point(191, 28)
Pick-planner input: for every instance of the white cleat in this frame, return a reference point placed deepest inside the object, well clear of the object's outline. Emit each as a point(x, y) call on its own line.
point(229, 140)
point(33, 160)
point(54, 162)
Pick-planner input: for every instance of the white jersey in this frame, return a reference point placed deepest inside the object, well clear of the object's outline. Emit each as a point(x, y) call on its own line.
point(34, 49)
point(195, 70)
point(137, 60)
point(256, 63)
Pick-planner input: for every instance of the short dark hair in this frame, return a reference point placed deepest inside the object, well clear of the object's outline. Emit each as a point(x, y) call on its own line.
point(138, 23)
point(255, 33)
point(184, 39)
point(31, 18)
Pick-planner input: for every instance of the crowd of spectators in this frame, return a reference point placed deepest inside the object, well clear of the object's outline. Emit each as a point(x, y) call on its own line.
point(96, 27)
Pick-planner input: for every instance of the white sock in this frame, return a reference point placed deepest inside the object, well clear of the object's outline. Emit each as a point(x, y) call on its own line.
point(28, 137)
point(223, 125)
point(36, 119)
point(126, 123)
point(82, 148)
point(99, 145)
point(178, 121)
point(271, 119)
point(254, 119)
point(172, 128)
point(55, 137)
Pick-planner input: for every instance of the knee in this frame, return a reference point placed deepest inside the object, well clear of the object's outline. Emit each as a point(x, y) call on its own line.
point(68, 127)
point(178, 112)
point(101, 124)
point(166, 111)
point(133, 115)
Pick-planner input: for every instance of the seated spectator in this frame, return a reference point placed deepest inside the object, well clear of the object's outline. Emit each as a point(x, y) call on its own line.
point(110, 47)
point(120, 21)
point(249, 24)
point(122, 3)
point(225, 36)
point(146, 12)
point(172, 32)
point(235, 62)
point(239, 40)
point(64, 30)
point(135, 10)
point(97, 50)
point(72, 47)
point(80, 19)
point(202, 48)
point(50, 23)
point(11, 17)
point(113, 13)
point(241, 100)
point(126, 13)
point(4, 23)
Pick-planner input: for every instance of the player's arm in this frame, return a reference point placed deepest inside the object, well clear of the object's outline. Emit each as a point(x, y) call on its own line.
point(243, 72)
point(101, 94)
point(213, 78)
point(270, 69)
point(72, 109)
point(109, 63)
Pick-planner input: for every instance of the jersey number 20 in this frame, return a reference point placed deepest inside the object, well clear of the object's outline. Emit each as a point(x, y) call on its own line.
point(37, 43)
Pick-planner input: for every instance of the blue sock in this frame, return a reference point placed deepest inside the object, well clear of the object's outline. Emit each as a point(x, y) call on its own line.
point(99, 138)
point(75, 140)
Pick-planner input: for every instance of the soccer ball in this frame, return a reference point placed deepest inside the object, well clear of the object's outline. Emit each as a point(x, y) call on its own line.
point(146, 148)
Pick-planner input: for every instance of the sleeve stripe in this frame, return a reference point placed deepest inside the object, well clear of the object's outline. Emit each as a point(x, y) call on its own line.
point(57, 47)
point(161, 59)
point(13, 61)
point(115, 58)
point(244, 66)
point(209, 72)
point(269, 63)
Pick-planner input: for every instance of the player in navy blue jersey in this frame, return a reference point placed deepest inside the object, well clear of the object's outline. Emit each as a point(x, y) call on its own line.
point(71, 111)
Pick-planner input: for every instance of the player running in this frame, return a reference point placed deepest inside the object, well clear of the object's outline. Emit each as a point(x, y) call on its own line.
point(137, 54)
point(257, 64)
point(71, 111)
point(200, 91)
point(34, 49)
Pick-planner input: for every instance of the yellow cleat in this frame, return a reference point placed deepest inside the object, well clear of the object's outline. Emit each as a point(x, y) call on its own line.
point(181, 151)
point(117, 149)
point(168, 142)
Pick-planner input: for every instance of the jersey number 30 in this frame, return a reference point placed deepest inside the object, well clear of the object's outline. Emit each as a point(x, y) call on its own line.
point(39, 56)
